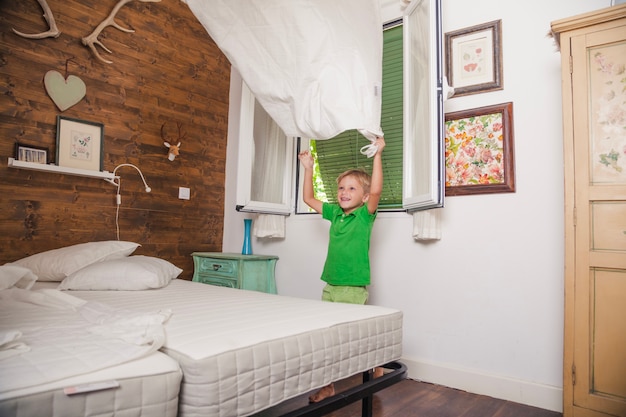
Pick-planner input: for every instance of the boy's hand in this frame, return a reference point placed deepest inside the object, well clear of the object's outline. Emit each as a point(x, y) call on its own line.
point(380, 144)
point(306, 158)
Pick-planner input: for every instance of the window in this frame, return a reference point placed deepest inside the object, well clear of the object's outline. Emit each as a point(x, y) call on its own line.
point(265, 162)
point(334, 156)
point(412, 119)
point(424, 164)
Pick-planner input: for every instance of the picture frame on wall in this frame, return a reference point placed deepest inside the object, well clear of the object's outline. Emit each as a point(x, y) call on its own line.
point(30, 153)
point(79, 144)
point(474, 58)
point(479, 151)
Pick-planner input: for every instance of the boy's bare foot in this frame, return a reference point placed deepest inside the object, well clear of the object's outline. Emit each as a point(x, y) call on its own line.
point(323, 393)
point(378, 372)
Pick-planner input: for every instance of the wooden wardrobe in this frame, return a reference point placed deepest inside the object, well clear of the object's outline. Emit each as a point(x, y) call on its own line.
point(593, 49)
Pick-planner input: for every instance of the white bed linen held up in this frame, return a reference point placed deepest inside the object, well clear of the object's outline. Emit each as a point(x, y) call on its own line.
point(314, 65)
point(67, 336)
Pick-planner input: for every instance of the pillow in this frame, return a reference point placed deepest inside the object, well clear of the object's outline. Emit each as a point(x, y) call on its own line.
point(16, 276)
point(132, 273)
point(56, 264)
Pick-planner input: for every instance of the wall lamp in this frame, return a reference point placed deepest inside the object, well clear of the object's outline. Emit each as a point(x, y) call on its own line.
point(118, 183)
point(118, 197)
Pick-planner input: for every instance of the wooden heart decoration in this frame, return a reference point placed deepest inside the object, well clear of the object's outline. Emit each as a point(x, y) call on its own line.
point(64, 92)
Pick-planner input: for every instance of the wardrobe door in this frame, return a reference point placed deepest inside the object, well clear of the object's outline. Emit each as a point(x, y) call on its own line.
point(595, 203)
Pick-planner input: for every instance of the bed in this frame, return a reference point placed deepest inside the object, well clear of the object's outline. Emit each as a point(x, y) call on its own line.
point(56, 361)
point(241, 351)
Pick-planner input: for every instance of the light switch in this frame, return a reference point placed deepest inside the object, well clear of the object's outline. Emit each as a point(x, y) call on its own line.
point(184, 193)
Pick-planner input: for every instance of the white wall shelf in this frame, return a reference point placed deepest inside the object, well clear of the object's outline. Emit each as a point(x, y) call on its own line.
point(105, 175)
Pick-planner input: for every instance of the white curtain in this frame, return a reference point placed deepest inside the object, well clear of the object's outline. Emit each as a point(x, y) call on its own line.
point(268, 172)
point(314, 65)
point(269, 156)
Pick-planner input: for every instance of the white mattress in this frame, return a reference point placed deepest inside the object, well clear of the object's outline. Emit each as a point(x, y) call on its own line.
point(148, 387)
point(244, 351)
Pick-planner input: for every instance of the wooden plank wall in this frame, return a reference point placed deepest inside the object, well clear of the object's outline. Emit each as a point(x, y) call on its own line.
point(167, 71)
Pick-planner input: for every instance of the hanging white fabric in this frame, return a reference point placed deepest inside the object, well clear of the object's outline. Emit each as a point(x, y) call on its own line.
point(314, 65)
point(269, 226)
point(427, 224)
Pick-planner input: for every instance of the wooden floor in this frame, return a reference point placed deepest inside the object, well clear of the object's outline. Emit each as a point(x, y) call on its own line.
point(410, 398)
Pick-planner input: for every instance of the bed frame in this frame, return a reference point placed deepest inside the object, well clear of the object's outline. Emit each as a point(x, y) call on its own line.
point(363, 392)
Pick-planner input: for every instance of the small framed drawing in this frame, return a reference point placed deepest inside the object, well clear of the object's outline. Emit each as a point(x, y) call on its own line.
point(79, 144)
point(479, 151)
point(29, 153)
point(474, 58)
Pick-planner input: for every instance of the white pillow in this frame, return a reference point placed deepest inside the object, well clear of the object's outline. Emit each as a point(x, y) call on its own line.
point(56, 264)
point(16, 276)
point(132, 273)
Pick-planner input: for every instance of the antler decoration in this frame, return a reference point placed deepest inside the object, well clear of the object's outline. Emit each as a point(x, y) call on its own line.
point(92, 40)
point(53, 32)
point(173, 149)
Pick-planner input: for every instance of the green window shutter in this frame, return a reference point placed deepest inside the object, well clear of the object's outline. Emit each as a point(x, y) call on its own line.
point(343, 151)
point(392, 118)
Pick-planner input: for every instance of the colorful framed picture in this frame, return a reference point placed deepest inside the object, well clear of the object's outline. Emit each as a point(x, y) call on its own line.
point(79, 144)
point(479, 151)
point(474, 58)
point(29, 153)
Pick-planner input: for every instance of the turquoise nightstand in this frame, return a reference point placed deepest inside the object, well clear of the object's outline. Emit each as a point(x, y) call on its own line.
point(248, 272)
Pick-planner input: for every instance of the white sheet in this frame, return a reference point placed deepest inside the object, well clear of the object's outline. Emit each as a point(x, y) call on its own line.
point(64, 336)
point(314, 65)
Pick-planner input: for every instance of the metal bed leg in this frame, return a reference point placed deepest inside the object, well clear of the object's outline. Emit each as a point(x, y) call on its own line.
point(363, 392)
point(368, 401)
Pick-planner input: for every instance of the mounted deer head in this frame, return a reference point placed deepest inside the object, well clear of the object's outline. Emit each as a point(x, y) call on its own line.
point(174, 150)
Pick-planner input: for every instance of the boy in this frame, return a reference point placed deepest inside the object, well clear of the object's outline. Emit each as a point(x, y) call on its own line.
point(347, 268)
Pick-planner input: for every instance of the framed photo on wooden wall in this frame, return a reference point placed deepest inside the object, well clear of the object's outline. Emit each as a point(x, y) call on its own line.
point(474, 58)
point(79, 144)
point(479, 151)
point(30, 153)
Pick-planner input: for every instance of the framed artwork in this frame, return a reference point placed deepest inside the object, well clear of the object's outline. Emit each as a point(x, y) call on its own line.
point(29, 153)
point(479, 151)
point(79, 144)
point(474, 58)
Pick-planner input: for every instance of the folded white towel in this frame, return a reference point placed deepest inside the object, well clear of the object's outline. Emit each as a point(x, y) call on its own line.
point(427, 224)
point(269, 225)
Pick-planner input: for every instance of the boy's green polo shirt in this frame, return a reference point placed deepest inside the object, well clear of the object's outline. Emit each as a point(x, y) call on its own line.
point(347, 261)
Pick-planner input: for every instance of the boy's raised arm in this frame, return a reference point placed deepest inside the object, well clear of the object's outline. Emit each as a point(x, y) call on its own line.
point(376, 186)
point(308, 195)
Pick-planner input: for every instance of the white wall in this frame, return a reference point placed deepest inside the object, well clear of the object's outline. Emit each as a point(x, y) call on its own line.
point(483, 307)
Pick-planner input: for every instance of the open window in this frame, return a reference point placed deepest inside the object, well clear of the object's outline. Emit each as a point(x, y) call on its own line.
point(265, 163)
point(424, 167)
